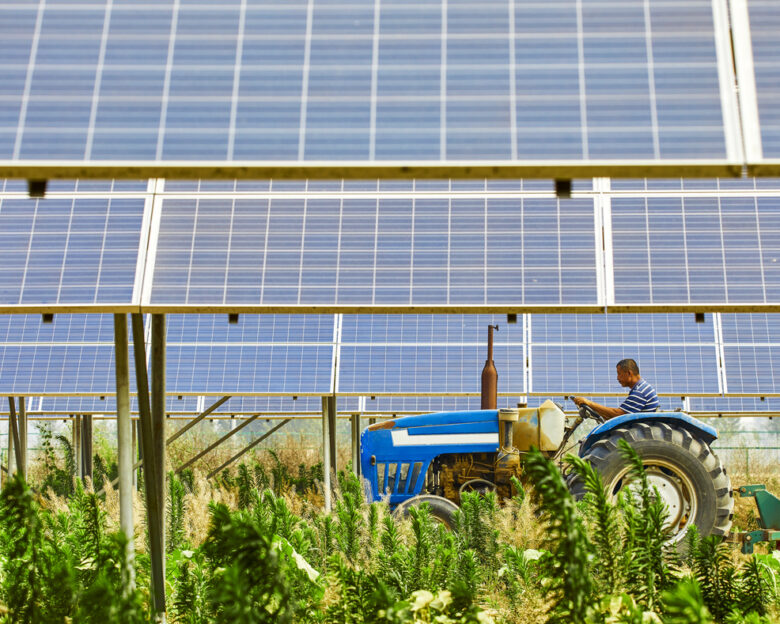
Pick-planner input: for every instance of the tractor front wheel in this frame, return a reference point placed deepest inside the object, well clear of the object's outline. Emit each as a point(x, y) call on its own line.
point(686, 473)
point(442, 509)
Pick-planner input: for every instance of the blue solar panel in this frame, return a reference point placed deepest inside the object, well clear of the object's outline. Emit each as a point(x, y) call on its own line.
point(357, 81)
point(752, 353)
point(734, 405)
point(245, 369)
point(64, 328)
point(696, 250)
point(68, 368)
point(250, 329)
point(630, 329)
point(392, 251)
point(427, 353)
point(591, 369)
point(428, 328)
point(60, 251)
point(415, 368)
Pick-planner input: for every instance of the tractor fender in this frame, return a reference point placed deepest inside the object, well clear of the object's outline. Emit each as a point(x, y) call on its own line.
point(681, 420)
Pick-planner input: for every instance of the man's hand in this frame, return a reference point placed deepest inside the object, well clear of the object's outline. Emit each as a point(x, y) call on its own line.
point(602, 410)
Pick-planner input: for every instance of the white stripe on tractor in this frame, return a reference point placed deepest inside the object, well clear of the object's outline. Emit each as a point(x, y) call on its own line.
point(401, 437)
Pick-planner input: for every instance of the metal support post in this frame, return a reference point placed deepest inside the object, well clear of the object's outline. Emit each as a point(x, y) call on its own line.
point(155, 517)
point(11, 457)
point(326, 453)
point(86, 446)
point(14, 451)
point(356, 444)
point(125, 442)
point(332, 432)
point(135, 452)
point(158, 403)
point(22, 424)
point(77, 444)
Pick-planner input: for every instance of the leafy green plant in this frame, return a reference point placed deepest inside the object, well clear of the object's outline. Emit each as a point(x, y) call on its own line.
point(604, 524)
point(716, 576)
point(475, 526)
point(570, 581)
point(649, 558)
point(247, 584)
point(175, 508)
point(59, 480)
point(246, 484)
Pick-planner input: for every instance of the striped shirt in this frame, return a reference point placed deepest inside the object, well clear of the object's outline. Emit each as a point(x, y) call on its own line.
point(642, 398)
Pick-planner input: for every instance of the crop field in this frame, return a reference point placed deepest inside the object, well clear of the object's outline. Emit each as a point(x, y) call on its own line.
point(255, 546)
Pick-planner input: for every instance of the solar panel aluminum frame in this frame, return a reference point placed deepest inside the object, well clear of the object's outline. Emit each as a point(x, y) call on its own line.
point(378, 170)
point(757, 164)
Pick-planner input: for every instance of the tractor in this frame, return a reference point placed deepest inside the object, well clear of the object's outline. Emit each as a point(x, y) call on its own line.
point(435, 458)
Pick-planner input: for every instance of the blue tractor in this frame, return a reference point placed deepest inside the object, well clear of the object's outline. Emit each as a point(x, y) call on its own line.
point(435, 458)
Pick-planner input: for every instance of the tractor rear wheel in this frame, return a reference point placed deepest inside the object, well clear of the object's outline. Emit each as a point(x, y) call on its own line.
point(442, 509)
point(687, 474)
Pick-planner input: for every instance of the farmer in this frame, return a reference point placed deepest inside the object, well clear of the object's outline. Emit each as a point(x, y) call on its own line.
point(641, 398)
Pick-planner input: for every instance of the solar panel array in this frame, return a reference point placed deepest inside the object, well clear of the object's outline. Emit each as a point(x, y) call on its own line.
point(441, 82)
point(469, 248)
point(436, 81)
point(398, 363)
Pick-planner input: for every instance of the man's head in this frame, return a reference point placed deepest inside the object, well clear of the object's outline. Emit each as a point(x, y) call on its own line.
point(627, 373)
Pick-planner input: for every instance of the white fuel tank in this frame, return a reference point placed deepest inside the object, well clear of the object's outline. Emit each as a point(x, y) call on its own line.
point(542, 426)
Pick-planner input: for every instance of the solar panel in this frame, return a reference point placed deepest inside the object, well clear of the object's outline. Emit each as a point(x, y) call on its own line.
point(591, 369)
point(576, 354)
point(375, 251)
point(235, 86)
point(685, 250)
point(565, 329)
point(247, 369)
point(78, 250)
point(751, 353)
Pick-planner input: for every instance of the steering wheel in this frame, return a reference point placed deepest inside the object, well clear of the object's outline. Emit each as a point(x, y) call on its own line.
point(588, 412)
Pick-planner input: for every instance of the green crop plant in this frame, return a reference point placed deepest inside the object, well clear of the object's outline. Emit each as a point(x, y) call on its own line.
point(570, 581)
point(175, 508)
point(604, 525)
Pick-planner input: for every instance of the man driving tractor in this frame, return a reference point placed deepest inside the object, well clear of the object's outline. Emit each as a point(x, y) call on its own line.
point(641, 398)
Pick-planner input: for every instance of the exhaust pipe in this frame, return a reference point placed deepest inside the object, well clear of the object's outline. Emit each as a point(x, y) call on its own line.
point(490, 375)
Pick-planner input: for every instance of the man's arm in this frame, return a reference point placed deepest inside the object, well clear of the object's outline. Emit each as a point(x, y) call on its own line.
point(602, 410)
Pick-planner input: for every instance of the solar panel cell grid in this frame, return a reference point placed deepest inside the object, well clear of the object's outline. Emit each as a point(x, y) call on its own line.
point(251, 328)
point(69, 250)
point(621, 329)
point(236, 369)
point(357, 81)
point(695, 249)
point(375, 251)
point(683, 369)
